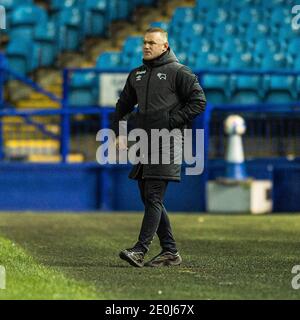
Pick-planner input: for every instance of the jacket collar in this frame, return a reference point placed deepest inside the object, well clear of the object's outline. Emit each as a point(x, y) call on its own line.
point(165, 58)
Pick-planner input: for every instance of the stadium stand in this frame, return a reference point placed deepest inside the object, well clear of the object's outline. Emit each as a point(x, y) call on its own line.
point(245, 53)
point(217, 35)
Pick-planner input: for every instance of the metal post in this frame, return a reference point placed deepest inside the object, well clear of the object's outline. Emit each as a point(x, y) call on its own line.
point(65, 119)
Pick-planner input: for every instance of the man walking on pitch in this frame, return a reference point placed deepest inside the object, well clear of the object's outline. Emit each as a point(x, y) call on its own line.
point(169, 97)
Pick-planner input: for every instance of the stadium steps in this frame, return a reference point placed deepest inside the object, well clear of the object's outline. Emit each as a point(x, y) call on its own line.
point(37, 104)
point(41, 158)
point(18, 148)
point(18, 135)
point(23, 129)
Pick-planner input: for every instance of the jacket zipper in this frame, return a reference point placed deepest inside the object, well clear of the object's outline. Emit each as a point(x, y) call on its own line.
point(147, 91)
point(146, 102)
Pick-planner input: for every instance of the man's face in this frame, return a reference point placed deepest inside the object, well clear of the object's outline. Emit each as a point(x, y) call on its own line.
point(154, 45)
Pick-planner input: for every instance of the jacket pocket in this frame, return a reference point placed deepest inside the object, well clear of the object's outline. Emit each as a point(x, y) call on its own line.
point(154, 120)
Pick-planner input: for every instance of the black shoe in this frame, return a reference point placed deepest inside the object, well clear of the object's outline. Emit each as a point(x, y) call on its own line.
point(133, 256)
point(165, 258)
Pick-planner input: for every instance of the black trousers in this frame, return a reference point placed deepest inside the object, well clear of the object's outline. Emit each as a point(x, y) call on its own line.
point(155, 216)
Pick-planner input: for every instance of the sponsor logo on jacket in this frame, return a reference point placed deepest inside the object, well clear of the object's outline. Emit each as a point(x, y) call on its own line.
point(162, 76)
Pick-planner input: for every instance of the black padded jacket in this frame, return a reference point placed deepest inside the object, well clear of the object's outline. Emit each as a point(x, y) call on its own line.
point(168, 96)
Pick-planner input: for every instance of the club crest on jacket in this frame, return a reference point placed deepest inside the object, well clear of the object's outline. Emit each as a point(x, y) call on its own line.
point(162, 76)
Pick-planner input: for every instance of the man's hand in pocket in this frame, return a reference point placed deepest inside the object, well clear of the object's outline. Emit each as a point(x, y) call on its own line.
point(121, 143)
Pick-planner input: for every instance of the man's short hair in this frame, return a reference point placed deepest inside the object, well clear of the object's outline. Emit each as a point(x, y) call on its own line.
point(160, 30)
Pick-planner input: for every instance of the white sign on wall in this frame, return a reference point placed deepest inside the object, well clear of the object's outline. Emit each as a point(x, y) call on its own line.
point(110, 87)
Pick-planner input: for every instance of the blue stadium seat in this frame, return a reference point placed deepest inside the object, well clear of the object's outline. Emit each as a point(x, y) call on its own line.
point(132, 45)
point(28, 15)
point(207, 61)
point(241, 5)
point(241, 61)
point(293, 48)
point(231, 45)
point(222, 31)
point(44, 31)
point(283, 37)
point(278, 88)
point(174, 44)
point(124, 9)
point(132, 51)
point(18, 54)
point(296, 64)
point(109, 60)
point(248, 15)
point(181, 16)
point(45, 44)
point(143, 2)
point(24, 19)
point(264, 47)
point(298, 87)
point(95, 20)
point(160, 24)
point(95, 4)
point(279, 16)
point(112, 10)
point(228, 48)
point(182, 57)
point(133, 61)
point(83, 89)
point(215, 16)
point(12, 4)
point(200, 46)
point(256, 31)
point(246, 89)
point(216, 87)
point(43, 55)
point(9, 6)
point(275, 61)
point(202, 7)
point(68, 24)
point(58, 5)
point(121, 9)
point(270, 5)
point(189, 33)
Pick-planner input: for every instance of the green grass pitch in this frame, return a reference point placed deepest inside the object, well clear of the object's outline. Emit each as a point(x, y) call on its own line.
point(75, 256)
